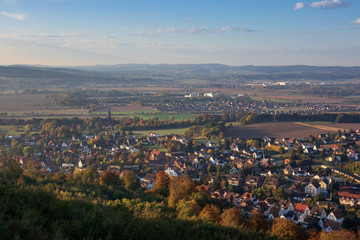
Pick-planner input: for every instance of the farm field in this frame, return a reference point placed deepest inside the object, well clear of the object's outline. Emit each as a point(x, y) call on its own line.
point(35, 105)
point(285, 129)
point(12, 129)
point(179, 131)
point(144, 112)
point(117, 109)
point(177, 117)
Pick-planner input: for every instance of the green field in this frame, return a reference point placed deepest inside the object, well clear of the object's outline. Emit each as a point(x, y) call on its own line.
point(179, 131)
point(148, 114)
point(177, 117)
point(11, 129)
point(234, 124)
point(127, 112)
point(150, 147)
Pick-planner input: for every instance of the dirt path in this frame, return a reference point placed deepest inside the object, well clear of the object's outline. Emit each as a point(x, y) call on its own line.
point(334, 129)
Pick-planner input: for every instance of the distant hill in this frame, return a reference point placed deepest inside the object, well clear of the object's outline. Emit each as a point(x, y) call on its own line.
point(27, 76)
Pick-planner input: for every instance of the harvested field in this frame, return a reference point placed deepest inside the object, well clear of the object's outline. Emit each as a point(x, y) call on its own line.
point(284, 129)
point(22, 102)
point(125, 109)
point(332, 126)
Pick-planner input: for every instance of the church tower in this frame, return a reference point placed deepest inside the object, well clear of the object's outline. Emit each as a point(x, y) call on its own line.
point(109, 114)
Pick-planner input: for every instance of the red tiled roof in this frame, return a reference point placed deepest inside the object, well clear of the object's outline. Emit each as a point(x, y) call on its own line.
point(349, 195)
point(300, 207)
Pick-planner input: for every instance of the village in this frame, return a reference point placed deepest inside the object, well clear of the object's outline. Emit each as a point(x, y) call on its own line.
point(196, 102)
point(301, 179)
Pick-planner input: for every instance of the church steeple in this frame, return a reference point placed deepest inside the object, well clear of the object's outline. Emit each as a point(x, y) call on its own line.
point(109, 114)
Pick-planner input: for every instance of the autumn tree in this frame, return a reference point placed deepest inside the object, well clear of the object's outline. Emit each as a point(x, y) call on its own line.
point(131, 182)
point(257, 221)
point(232, 217)
point(341, 234)
point(210, 213)
point(180, 188)
point(109, 178)
point(27, 129)
point(187, 209)
point(161, 185)
point(288, 230)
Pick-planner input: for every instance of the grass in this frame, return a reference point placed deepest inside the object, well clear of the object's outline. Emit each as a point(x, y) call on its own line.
point(126, 112)
point(14, 130)
point(177, 117)
point(178, 131)
point(234, 124)
point(160, 148)
point(148, 114)
point(202, 140)
point(260, 98)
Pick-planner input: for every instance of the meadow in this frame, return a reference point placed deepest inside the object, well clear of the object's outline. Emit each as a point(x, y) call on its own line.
point(161, 132)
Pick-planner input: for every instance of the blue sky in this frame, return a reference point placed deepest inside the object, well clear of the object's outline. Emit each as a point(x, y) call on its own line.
point(233, 32)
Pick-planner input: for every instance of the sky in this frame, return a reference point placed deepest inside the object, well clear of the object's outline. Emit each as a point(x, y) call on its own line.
point(232, 32)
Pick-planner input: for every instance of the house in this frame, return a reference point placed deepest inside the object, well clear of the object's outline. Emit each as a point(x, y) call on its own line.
point(324, 185)
point(347, 198)
point(234, 147)
point(287, 161)
point(273, 213)
point(81, 163)
point(22, 161)
point(330, 225)
point(234, 179)
point(171, 172)
point(286, 206)
point(318, 212)
point(298, 196)
point(64, 145)
point(310, 222)
point(272, 182)
point(295, 187)
point(157, 155)
point(209, 94)
point(270, 202)
point(313, 189)
point(336, 215)
point(234, 171)
point(257, 155)
point(253, 181)
point(288, 170)
point(246, 195)
point(302, 209)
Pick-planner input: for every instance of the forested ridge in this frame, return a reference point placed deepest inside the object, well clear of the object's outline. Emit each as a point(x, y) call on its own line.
point(61, 207)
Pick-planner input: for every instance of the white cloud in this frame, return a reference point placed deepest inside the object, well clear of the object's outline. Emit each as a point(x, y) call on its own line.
point(299, 5)
point(17, 16)
point(326, 4)
point(75, 40)
point(357, 21)
point(192, 30)
point(11, 1)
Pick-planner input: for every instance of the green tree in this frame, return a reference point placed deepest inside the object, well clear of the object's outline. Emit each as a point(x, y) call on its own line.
point(187, 209)
point(27, 151)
